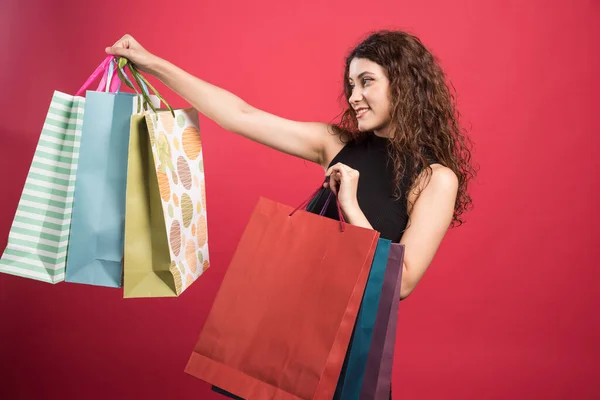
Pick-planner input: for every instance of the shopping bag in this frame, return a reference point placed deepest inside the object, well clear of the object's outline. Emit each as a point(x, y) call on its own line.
point(378, 372)
point(95, 252)
point(38, 238)
point(311, 207)
point(375, 383)
point(39, 235)
point(351, 378)
point(166, 236)
point(281, 322)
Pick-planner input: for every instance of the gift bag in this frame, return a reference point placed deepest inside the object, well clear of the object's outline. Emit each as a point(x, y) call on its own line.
point(281, 322)
point(95, 251)
point(166, 238)
point(375, 382)
point(351, 378)
point(38, 238)
point(378, 373)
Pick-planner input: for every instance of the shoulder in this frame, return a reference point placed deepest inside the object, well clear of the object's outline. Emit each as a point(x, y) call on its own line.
point(438, 183)
point(442, 178)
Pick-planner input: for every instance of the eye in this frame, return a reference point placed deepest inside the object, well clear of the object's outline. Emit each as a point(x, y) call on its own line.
point(366, 80)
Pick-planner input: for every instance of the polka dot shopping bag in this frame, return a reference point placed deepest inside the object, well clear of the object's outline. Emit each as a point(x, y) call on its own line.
point(166, 241)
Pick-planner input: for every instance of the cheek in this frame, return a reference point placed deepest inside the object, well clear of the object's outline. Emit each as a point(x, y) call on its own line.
point(379, 100)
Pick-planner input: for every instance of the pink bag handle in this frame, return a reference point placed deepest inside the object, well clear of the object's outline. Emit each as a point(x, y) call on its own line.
point(103, 69)
point(109, 76)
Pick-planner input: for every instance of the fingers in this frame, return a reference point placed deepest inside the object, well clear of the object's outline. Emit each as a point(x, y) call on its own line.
point(342, 171)
point(328, 172)
point(335, 177)
point(339, 173)
point(335, 174)
point(118, 51)
point(336, 167)
point(122, 47)
point(126, 41)
point(334, 184)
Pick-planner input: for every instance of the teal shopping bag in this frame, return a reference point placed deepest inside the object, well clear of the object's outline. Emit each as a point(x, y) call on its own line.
point(353, 370)
point(97, 228)
point(96, 243)
point(95, 251)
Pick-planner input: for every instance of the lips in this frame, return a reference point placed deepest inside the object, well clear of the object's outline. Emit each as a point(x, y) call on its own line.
point(361, 112)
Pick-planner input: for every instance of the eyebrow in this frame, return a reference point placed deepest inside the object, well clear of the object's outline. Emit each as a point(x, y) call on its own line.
point(362, 74)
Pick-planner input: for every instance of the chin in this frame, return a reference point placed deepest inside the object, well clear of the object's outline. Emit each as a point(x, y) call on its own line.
point(364, 126)
point(371, 126)
point(367, 127)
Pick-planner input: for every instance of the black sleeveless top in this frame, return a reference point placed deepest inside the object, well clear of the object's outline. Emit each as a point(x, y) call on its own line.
point(375, 193)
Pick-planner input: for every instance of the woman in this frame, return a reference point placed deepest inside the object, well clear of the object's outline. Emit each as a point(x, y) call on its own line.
point(398, 152)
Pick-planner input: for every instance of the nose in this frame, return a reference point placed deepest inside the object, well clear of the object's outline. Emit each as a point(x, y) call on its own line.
point(356, 96)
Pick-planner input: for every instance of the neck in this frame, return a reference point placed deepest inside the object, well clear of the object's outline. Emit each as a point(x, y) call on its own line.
point(383, 132)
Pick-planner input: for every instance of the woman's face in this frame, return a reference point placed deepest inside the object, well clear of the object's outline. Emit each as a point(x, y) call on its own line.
point(370, 96)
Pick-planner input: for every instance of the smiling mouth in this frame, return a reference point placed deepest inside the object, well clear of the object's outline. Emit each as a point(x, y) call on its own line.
point(360, 113)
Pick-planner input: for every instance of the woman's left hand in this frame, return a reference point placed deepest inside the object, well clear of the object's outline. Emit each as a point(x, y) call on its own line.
point(343, 182)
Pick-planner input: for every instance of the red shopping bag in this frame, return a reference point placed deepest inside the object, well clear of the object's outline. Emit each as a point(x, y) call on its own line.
point(281, 322)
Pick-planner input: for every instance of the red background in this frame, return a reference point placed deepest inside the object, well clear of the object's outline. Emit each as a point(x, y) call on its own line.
point(509, 307)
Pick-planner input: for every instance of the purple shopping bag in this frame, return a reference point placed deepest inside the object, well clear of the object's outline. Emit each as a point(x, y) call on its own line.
point(378, 374)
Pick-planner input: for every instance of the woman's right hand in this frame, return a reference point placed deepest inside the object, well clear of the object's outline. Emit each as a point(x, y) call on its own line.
point(129, 48)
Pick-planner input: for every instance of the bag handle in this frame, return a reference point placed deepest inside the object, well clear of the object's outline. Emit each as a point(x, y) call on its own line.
point(113, 83)
point(104, 70)
point(341, 215)
point(142, 83)
point(109, 80)
point(326, 204)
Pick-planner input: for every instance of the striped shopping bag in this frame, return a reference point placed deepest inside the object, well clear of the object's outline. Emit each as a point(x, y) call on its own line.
point(38, 238)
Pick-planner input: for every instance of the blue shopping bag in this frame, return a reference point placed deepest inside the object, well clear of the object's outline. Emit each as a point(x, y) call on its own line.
point(96, 243)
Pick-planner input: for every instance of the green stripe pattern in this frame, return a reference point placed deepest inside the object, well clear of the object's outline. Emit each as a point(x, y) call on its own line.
point(38, 238)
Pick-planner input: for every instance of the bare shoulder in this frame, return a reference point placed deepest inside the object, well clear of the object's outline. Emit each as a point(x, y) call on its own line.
point(442, 179)
point(439, 184)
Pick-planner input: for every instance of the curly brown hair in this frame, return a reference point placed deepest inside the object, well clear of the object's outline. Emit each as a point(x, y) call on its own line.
point(424, 122)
